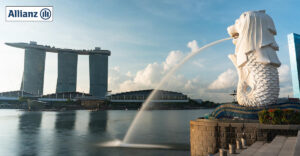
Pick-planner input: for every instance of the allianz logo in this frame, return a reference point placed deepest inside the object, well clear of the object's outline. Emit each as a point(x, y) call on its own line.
point(29, 14)
point(20, 13)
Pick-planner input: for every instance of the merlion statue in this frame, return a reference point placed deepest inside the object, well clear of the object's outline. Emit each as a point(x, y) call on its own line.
point(255, 59)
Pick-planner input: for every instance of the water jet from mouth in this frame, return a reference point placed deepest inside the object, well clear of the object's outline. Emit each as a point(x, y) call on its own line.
point(147, 102)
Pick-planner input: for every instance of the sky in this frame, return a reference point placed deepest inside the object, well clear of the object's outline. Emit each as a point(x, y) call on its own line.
point(146, 38)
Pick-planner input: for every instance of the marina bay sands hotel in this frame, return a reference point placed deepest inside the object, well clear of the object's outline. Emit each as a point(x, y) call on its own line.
point(34, 68)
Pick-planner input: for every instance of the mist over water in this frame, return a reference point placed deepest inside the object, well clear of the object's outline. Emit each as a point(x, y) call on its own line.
point(134, 127)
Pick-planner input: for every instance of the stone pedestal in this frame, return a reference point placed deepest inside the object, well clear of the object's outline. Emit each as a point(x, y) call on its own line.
point(203, 137)
point(208, 136)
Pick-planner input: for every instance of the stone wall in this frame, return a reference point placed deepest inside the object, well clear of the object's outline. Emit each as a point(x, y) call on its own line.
point(207, 136)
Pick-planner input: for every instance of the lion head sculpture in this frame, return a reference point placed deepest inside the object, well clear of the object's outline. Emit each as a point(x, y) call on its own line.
point(254, 31)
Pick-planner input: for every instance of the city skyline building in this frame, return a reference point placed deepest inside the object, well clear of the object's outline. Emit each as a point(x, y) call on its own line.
point(294, 50)
point(98, 74)
point(34, 68)
point(66, 72)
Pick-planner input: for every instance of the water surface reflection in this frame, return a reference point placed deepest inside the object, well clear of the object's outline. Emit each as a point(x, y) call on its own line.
point(64, 134)
point(29, 128)
point(98, 121)
point(78, 133)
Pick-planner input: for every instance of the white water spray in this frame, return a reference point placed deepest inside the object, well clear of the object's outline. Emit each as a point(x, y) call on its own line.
point(118, 143)
point(162, 82)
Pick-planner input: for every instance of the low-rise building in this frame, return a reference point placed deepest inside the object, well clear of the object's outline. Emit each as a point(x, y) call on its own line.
point(140, 96)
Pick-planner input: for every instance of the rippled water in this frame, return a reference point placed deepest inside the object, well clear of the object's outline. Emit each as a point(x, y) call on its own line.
point(79, 133)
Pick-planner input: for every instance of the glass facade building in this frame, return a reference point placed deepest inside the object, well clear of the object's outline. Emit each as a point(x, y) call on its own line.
point(294, 49)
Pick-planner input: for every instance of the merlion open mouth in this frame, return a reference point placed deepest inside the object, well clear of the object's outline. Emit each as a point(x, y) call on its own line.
point(233, 32)
point(235, 35)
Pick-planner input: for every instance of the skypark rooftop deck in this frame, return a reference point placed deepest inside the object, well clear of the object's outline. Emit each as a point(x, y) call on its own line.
point(47, 48)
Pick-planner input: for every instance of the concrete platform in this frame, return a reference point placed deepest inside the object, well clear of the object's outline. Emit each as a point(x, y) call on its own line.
point(297, 145)
point(207, 136)
point(289, 147)
point(252, 149)
point(280, 146)
point(273, 148)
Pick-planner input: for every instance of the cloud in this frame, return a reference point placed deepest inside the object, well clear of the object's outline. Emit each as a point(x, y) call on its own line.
point(195, 87)
point(286, 91)
point(151, 75)
point(225, 80)
point(115, 78)
point(193, 46)
point(173, 58)
point(284, 73)
point(116, 68)
point(129, 74)
point(228, 79)
point(285, 81)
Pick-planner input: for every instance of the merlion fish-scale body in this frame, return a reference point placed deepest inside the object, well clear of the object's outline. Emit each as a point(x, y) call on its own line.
point(255, 59)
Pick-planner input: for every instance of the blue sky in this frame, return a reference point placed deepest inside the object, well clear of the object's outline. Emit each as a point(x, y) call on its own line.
point(143, 35)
